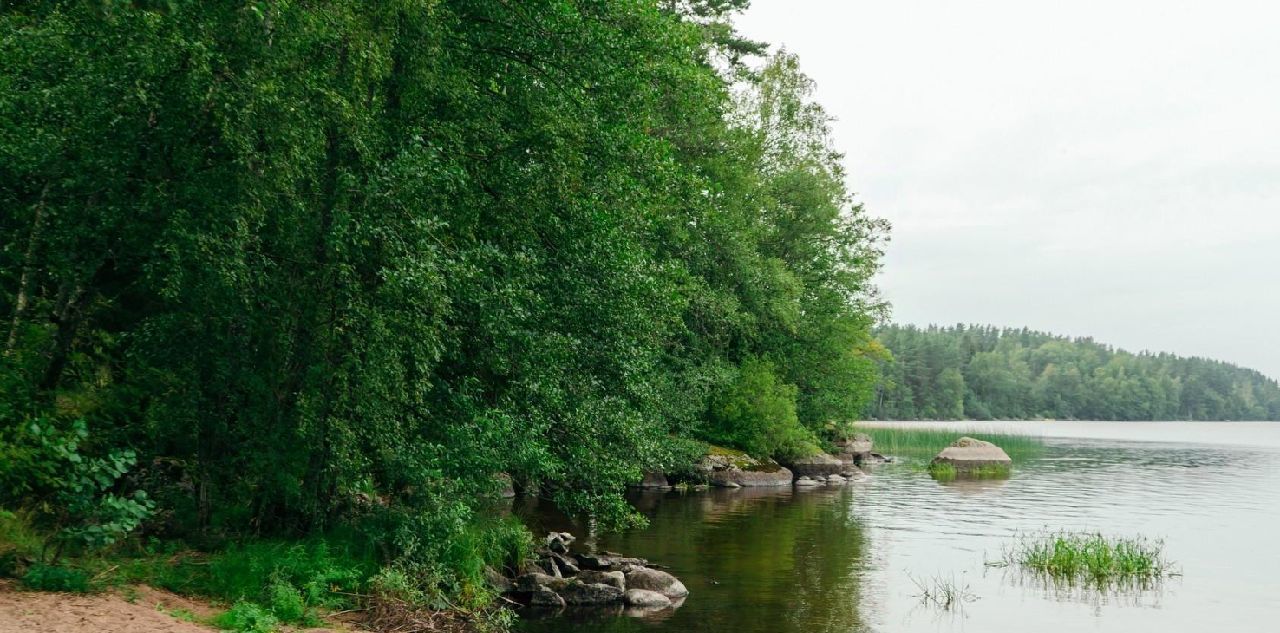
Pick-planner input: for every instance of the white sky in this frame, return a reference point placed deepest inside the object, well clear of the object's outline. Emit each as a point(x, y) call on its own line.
point(1106, 169)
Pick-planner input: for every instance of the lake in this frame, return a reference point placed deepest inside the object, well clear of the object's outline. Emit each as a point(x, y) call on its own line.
point(848, 559)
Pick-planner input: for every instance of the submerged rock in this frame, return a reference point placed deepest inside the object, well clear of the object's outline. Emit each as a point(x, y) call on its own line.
point(646, 598)
point(967, 454)
point(656, 580)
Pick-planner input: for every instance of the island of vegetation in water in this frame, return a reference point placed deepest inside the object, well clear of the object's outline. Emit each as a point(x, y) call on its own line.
point(985, 373)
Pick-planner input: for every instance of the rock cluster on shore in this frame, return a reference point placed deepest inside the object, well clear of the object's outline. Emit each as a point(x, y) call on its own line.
point(561, 578)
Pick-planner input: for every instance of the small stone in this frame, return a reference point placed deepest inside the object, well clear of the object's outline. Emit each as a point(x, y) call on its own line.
point(835, 480)
point(804, 482)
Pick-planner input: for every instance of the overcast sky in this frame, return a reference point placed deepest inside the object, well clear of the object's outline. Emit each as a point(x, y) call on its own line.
point(1106, 169)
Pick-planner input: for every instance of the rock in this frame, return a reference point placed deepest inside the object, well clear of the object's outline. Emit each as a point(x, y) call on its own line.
point(734, 469)
point(738, 478)
point(531, 582)
point(564, 564)
point(496, 580)
point(613, 578)
point(806, 481)
point(646, 599)
point(967, 453)
point(874, 458)
point(835, 480)
point(815, 466)
point(548, 567)
point(853, 449)
point(559, 541)
point(580, 593)
point(545, 597)
point(608, 562)
point(653, 481)
point(656, 580)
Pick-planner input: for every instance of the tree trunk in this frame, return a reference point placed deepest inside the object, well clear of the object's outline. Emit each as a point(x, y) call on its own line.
point(28, 272)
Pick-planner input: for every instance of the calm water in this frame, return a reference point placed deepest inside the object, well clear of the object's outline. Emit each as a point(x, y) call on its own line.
point(842, 559)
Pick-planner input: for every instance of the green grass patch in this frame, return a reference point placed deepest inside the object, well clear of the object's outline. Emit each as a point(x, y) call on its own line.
point(1090, 558)
point(948, 472)
point(926, 442)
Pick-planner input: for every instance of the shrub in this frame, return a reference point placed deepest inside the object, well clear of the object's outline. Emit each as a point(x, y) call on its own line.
point(43, 577)
point(246, 617)
point(758, 415)
point(72, 494)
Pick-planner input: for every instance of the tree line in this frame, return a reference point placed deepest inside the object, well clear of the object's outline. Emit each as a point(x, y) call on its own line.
point(281, 268)
point(985, 373)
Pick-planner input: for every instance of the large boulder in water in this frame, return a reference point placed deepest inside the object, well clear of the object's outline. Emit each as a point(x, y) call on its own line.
point(737, 478)
point(820, 465)
point(656, 580)
point(734, 469)
point(967, 454)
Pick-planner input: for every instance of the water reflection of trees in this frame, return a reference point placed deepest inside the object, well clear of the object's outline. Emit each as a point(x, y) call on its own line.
point(754, 559)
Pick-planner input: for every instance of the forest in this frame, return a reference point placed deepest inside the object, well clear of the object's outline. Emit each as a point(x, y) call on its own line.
point(988, 373)
point(285, 270)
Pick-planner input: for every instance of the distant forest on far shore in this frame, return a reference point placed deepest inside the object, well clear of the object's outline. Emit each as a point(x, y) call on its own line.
point(988, 373)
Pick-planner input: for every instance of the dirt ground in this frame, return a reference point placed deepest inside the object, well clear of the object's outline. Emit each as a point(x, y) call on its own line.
point(148, 612)
point(139, 609)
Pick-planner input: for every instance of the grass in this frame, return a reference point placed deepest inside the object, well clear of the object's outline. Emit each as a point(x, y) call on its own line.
point(1090, 558)
point(925, 442)
point(271, 585)
point(944, 593)
point(948, 472)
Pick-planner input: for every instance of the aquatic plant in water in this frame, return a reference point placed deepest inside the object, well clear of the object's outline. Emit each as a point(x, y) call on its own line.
point(948, 472)
point(1090, 558)
point(916, 441)
point(943, 593)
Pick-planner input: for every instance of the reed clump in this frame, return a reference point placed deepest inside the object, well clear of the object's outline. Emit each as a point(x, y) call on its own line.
point(947, 594)
point(1090, 558)
point(916, 441)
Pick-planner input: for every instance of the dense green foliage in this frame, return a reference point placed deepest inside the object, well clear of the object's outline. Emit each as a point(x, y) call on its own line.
point(336, 265)
point(987, 373)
